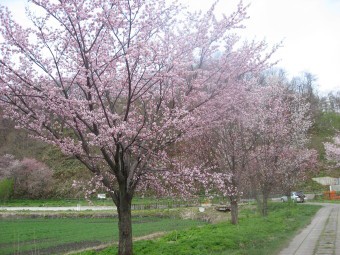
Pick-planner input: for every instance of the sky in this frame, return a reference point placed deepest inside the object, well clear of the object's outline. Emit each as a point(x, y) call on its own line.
point(309, 31)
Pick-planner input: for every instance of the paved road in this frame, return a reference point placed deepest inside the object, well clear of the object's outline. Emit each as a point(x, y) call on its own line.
point(70, 208)
point(322, 236)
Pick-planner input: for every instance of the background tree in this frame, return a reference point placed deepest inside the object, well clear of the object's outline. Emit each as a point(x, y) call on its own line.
point(251, 137)
point(232, 151)
point(230, 140)
point(258, 132)
point(297, 165)
point(333, 150)
point(331, 102)
point(282, 122)
point(114, 83)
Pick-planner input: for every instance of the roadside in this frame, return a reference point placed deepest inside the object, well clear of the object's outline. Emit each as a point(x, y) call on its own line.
point(321, 236)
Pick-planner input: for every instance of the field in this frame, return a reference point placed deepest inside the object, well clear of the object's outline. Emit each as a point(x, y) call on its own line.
point(49, 236)
point(56, 233)
point(254, 235)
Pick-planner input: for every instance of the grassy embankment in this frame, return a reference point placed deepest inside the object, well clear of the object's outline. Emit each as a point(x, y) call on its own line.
point(254, 235)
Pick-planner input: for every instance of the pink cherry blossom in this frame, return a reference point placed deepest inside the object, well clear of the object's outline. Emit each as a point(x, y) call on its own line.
point(333, 150)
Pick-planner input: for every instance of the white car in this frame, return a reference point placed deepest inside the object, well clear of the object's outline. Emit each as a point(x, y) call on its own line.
point(295, 197)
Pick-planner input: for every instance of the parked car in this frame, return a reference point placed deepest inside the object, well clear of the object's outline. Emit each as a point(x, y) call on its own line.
point(295, 196)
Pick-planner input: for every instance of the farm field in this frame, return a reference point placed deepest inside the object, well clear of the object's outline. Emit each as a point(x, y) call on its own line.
point(58, 235)
point(255, 235)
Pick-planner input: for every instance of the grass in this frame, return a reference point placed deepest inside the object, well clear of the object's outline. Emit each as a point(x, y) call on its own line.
point(95, 202)
point(54, 202)
point(325, 201)
point(49, 236)
point(254, 235)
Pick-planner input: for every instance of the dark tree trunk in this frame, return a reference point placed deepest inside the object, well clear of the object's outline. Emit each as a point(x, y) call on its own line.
point(288, 193)
point(124, 224)
point(262, 204)
point(234, 212)
point(264, 208)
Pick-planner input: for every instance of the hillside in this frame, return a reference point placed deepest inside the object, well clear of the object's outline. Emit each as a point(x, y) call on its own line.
point(326, 125)
point(66, 169)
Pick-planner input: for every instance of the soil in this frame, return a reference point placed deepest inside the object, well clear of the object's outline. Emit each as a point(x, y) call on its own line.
point(63, 248)
point(103, 246)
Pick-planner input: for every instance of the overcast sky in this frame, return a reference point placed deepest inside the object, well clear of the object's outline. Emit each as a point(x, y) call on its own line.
point(309, 29)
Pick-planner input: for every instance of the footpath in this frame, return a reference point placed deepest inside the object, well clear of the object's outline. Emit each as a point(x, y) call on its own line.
point(321, 237)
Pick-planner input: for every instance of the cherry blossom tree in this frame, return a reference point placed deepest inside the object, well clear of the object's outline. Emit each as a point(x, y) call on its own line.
point(283, 122)
point(256, 138)
point(231, 141)
point(232, 148)
point(114, 83)
point(333, 150)
point(31, 178)
point(297, 164)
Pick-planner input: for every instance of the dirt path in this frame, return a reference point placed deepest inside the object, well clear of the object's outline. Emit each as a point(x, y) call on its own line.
point(322, 236)
point(103, 246)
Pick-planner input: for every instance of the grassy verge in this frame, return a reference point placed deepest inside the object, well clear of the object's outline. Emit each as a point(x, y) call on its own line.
point(95, 202)
point(54, 202)
point(254, 235)
point(59, 235)
point(324, 201)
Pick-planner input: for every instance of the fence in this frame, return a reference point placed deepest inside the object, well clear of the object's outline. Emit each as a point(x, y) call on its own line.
point(165, 204)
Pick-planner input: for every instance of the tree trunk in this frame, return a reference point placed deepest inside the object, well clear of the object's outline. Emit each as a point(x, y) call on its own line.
point(288, 193)
point(124, 224)
point(264, 204)
point(234, 212)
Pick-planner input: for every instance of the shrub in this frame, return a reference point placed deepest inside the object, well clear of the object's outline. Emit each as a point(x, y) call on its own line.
point(6, 189)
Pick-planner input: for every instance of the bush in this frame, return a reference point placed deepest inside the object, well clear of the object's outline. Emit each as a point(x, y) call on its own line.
point(6, 189)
